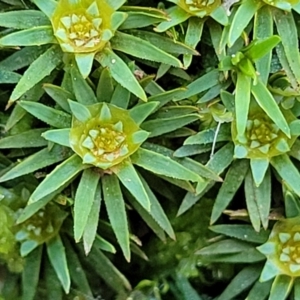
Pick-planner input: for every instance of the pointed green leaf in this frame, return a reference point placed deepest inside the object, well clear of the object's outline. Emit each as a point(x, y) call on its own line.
point(105, 87)
point(104, 245)
point(84, 199)
point(130, 179)
point(84, 63)
point(165, 44)
point(251, 201)
point(49, 115)
point(108, 272)
point(140, 48)
point(209, 136)
point(76, 270)
point(38, 160)
point(242, 232)
point(260, 290)
point(120, 72)
point(27, 139)
point(224, 247)
point(291, 204)
point(287, 171)
point(161, 126)
point(57, 256)
point(58, 136)
point(120, 97)
point(116, 211)
point(47, 7)
point(201, 84)
point(35, 36)
point(192, 37)
point(287, 31)
point(59, 95)
point(22, 19)
point(243, 280)
point(220, 15)
point(260, 48)
point(83, 92)
point(266, 101)
point(31, 274)
point(241, 19)
point(80, 111)
point(259, 167)
point(9, 77)
point(263, 28)
point(38, 70)
point(177, 15)
point(233, 180)
point(53, 286)
point(91, 226)
point(146, 215)
point(242, 101)
point(162, 165)
point(60, 175)
point(140, 112)
point(117, 19)
point(281, 287)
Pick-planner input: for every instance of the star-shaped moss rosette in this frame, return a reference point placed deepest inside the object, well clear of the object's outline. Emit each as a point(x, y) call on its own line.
point(282, 250)
point(263, 145)
point(240, 244)
point(107, 139)
point(196, 12)
point(87, 30)
point(265, 14)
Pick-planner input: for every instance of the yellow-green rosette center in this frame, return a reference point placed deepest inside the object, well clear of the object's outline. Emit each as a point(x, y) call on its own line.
point(283, 248)
point(263, 138)
point(83, 26)
point(104, 135)
point(199, 8)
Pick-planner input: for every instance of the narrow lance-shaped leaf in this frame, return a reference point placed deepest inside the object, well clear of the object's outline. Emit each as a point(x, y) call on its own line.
point(27, 139)
point(242, 101)
point(90, 231)
point(31, 274)
point(269, 105)
point(281, 287)
point(121, 73)
point(83, 92)
point(84, 199)
point(60, 175)
point(38, 70)
point(127, 174)
point(23, 19)
point(140, 112)
point(57, 256)
point(162, 165)
point(49, 115)
point(58, 136)
point(35, 36)
point(115, 207)
point(241, 19)
point(140, 48)
point(76, 270)
point(38, 160)
point(233, 180)
point(251, 201)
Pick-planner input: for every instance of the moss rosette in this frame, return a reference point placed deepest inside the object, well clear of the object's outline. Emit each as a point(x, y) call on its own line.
point(199, 8)
point(283, 249)
point(82, 26)
point(108, 137)
point(42, 226)
point(263, 138)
